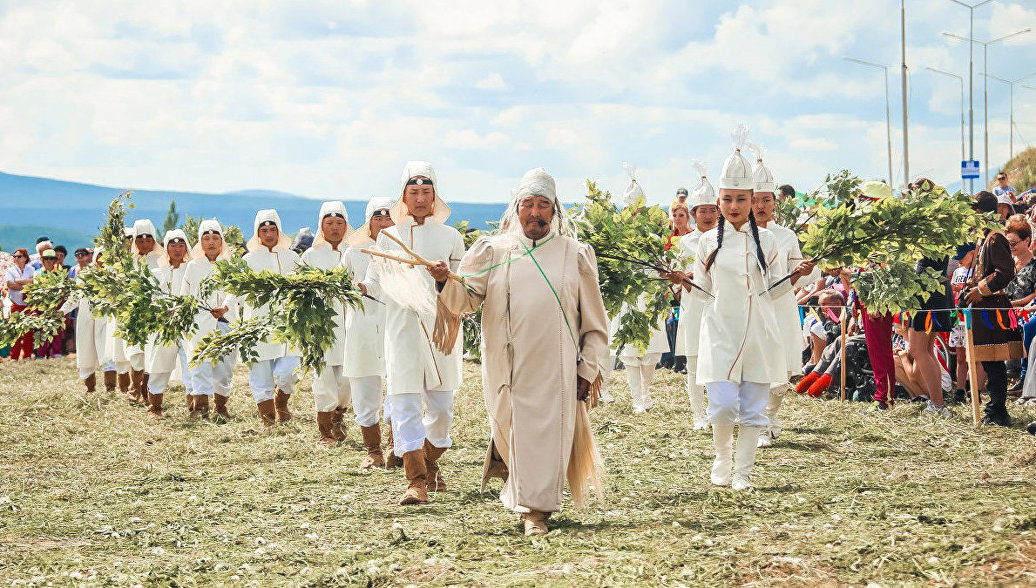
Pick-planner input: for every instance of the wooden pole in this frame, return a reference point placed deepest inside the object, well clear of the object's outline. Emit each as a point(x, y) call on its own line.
point(972, 372)
point(845, 323)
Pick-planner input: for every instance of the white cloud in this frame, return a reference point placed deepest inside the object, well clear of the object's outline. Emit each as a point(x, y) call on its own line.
point(493, 81)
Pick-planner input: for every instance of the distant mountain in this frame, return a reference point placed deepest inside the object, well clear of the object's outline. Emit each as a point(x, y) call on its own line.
point(75, 211)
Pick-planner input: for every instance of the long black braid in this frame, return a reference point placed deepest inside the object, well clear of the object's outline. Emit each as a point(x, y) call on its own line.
point(719, 242)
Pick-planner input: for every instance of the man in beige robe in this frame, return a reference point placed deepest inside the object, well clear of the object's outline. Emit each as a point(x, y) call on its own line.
point(544, 337)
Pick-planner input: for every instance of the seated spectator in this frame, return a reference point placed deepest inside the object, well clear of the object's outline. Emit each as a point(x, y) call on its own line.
point(821, 327)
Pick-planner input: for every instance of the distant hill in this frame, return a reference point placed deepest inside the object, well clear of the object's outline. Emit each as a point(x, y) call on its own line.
point(70, 212)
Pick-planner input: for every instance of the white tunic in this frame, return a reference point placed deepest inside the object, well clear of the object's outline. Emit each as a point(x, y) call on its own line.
point(323, 256)
point(283, 262)
point(364, 327)
point(412, 362)
point(689, 327)
point(739, 338)
point(790, 327)
point(197, 271)
point(161, 358)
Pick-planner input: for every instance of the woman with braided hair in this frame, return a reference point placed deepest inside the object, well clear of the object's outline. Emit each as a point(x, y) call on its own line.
point(739, 350)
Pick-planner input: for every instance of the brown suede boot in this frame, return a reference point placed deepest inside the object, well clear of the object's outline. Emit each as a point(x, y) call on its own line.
point(110, 381)
point(222, 415)
point(372, 441)
point(431, 463)
point(417, 474)
point(393, 460)
point(535, 523)
point(337, 424)
point(281, 399)
point(154, 409)
point(91, 383)
point(268, 413)
point(144, 392)
point(190, 404)
point(124, 383)
point(324, 425)
point(201, 407)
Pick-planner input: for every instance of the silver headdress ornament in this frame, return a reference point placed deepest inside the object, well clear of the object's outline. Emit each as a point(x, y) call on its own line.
point(633, 191)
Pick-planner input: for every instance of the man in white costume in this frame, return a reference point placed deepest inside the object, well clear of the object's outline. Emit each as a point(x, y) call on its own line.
point(331, 386)
point(706, 215)
point(544, 336)
point(418, 373)
point(91, 339)
point(209, 380)
point(365, 337)
point(788, 256)
point(145, 250)
point(161, 358)
point(640, 365)
point(272, 378)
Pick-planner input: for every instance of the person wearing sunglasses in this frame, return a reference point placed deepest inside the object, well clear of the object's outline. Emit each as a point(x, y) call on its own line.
point(17, 278)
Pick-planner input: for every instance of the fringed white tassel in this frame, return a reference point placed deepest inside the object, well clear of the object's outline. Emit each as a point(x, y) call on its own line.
point(739, 135)
point(585, 466)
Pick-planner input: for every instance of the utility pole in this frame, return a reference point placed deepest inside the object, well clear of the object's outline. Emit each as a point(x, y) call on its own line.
point(971, 82)
point(888, 110)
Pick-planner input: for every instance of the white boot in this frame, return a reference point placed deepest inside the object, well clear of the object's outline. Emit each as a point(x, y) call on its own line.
point(723, 441)
point(773, 430)
point(696, 393)
point(744, 457)
point(647, 375)
point(635, 383)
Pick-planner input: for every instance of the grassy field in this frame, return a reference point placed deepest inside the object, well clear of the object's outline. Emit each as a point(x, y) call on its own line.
point(93, 493)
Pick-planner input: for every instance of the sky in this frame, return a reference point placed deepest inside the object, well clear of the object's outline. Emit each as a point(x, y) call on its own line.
point(329, 98)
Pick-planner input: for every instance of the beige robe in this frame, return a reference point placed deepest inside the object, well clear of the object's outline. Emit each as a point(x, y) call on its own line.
point(530, 356)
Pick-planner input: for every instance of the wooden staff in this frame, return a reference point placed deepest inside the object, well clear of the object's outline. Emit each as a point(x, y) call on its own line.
point(972, 372)
point(845, 324)
point(410, 262)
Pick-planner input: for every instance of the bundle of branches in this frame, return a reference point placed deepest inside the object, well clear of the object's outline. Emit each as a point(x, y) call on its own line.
point(231, 233)
point(631, 257)
point(301, 310)
point(895, 287)
point(42, 315)
point(795, 213)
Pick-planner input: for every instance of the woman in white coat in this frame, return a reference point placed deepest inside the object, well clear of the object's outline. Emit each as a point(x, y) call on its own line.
point(365, 337)
point(91, 338)
point(209, 380)
point(739, 345)
point(160, 359)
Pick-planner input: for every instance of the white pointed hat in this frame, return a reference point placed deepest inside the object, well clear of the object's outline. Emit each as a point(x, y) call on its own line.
point(737, 171)
point(169, 237)
point(633, 191)
point(362, 235)
point(704, 194)
point(144, 226)
point(331, 208)
point(268, 217)
point(210, 226)
point(764, 181)
point(420, 173)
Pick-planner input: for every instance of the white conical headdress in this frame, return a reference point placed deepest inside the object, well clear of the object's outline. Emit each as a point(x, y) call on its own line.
point(362, 235)
point(737, 172)
point(764, 181)
point(633, 192)
point(210, 226)
point(704, 194)
point(261, 218)
point(329, 208)
point(145, 227)
point(414, 169)
point(170, 236)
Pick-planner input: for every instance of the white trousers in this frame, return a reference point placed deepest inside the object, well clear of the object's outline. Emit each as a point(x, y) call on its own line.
point(208, 379)
point(777, 393)
point(742, 404)
point(272, 373)
point(412, 423)
point(640, 371)
point(158, 382)
point(366, 394)
point(330, 389)
point(695, 391)
point(135, 358)
point(90, 336)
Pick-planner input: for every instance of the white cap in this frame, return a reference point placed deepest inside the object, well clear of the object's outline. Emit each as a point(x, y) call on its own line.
point(170, 236)
point(704, 194)
point(331, 207)
point(263, 217)
point(144, 226)
point(210, 226)
point(764, 181)
point(362, 235)
point(536, 182)
point(737, 172)
point(419, 169)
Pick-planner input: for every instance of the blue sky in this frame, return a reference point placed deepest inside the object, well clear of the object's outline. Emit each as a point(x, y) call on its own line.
point(329, 98)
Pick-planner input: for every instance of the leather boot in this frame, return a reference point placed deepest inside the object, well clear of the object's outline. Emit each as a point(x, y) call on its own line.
point(417, 475)
point(201, 407)
point(372, 441)
point(144, 392)
point(91, 383)
point(190, 404)
point(267, 412)
point(222, 415)
point(431, 463)
point(393, 460)
point(535, 523)
point(337, 424)
point(324, 425)
point(154, 409)
point(744, 457)
point(723, 440)
point(281, 399)
point(110, 381)
point(124, 383)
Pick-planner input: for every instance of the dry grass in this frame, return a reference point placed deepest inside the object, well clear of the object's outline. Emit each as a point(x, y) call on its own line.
point(93, 493)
